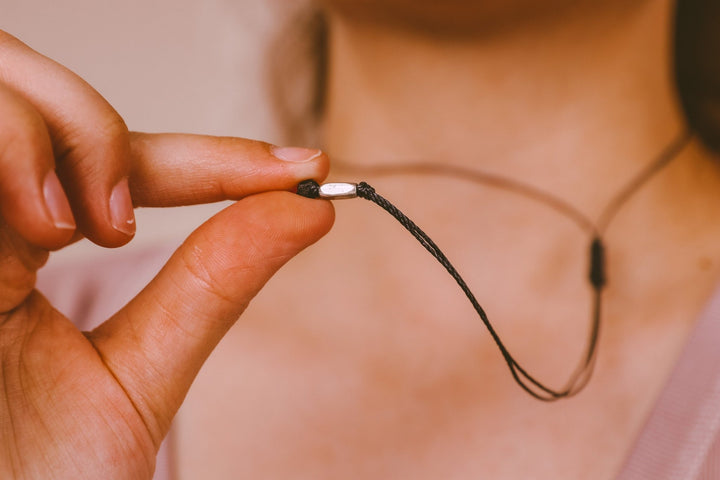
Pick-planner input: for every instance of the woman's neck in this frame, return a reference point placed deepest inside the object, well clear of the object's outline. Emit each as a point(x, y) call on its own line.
point(573, 103)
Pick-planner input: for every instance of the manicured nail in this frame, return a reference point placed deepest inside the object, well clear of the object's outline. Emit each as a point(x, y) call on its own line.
point(121, 208)
point(57, 203)
point(296, 154)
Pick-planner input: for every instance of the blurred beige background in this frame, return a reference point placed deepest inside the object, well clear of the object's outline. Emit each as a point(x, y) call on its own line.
point(166, 66)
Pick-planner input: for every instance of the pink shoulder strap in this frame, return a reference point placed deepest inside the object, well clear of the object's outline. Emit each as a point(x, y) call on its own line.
point(681, 439)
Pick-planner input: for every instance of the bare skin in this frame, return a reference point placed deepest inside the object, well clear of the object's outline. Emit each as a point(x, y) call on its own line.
point(373, 365)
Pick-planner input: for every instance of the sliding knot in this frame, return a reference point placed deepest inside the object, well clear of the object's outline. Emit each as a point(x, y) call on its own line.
point(597, 264)
point(309, 189)
point(365, 191)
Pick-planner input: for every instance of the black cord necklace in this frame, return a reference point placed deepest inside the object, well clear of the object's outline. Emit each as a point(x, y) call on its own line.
point(597, 276)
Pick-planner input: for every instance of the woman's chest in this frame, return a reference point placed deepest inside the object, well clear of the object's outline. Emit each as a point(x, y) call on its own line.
point(282, 399)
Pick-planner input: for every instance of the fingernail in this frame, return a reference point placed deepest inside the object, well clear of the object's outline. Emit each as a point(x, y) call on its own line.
point(57, 203)
point(121, 208)
point(296, 154)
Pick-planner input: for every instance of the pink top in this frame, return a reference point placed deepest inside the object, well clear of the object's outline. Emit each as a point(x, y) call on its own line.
point(681, 438)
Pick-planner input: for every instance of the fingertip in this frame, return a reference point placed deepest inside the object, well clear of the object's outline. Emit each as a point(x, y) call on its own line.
point(319, 213)
point(300, 163)
point(57, 204)
point(298, 220)
point(40, 214)
point(295, 154)
point(110, 221)
point(122, 215)
point(106, 216)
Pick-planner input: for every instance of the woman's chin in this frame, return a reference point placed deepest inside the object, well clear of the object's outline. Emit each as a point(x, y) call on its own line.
point(452, 17)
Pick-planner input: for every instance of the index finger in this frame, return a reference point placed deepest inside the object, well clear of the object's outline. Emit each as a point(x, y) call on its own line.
point(178, 169)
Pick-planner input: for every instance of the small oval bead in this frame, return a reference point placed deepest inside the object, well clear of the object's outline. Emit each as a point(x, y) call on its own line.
point(334, 191)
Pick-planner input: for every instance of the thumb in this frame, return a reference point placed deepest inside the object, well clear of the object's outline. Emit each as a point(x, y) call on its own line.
point(157, 343)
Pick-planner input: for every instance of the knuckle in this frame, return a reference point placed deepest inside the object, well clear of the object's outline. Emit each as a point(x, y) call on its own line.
point(107, 137)
point(195, 263)
point(112, 130)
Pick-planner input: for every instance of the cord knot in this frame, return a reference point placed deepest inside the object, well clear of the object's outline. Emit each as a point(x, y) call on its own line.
point(365, 191)
point(309, 189)
point(597, 264)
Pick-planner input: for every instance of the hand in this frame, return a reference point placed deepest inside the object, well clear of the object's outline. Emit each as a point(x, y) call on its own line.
point(98, 404)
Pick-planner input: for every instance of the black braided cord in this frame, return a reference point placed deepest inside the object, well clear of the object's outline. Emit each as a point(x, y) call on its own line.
point(310, 189)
